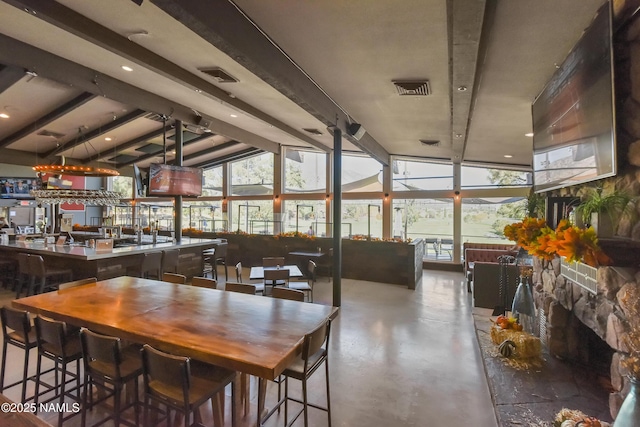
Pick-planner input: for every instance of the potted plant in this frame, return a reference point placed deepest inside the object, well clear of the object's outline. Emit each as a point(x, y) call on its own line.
point(602, 210)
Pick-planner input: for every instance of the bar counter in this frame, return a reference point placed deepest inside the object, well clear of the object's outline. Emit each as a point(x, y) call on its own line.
point(109, 263)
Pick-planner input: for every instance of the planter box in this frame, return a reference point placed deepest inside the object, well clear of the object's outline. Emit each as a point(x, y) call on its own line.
point(387, 262)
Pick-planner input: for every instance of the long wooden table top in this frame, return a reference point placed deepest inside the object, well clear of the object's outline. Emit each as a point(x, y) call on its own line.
point(253, 334)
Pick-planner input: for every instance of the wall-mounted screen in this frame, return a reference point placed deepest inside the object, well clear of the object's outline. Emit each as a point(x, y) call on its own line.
point(168, 180)
point(18, 188)
point(574, 117)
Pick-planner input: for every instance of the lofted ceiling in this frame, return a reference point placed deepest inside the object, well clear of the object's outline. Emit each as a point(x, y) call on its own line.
point(471, 68)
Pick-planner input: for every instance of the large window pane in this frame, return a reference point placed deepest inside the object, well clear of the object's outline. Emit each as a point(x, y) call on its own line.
point(252, 176)
point(361, 173)
point(204, 216)
point(429, 219)
point(122, 185)
point(252, 216)
point(311, 217)
point(479, 177)
point(361, 217)
point(483, 220)
point(212, 182)
point(409, 175)
point(305, 171)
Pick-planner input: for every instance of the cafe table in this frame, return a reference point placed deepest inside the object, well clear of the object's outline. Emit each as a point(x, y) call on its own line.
point(257, 273)
point(245, 333)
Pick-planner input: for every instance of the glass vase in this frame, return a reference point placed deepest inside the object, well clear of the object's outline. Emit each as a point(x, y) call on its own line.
point(523, 307)
point(629, 414)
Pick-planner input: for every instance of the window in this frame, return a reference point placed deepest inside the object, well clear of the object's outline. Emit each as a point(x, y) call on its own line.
point(311, 216)
point(205, 216)
point(252, 216)
point(212, 185)
point(361, 174)
point(252, 176)
point(410, 175)
point(305, 171)
point(362, 217)
point(122, 185)
point(478, 177)
point(483, 220)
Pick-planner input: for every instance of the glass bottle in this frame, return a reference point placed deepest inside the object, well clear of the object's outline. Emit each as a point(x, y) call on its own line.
point(629, 414)
point(523, 307)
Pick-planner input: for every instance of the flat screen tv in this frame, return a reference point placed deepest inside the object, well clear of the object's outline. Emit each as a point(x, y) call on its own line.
point(574, 116)
point(168, 180)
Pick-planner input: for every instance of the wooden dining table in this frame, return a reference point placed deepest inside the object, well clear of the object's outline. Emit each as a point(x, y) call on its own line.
point(246, 333)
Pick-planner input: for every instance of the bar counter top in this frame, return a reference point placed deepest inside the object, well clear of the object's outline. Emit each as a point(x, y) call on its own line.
point(84, 253)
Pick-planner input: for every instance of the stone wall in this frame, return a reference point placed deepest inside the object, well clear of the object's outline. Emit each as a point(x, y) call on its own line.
point(568, 306)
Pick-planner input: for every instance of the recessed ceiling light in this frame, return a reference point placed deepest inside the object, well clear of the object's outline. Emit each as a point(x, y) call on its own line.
point(458, 135)
point(198, 91)
point(234, 115)
point(127, 68)
point(107, 139)
point(508, 156)
point(530, 134)
point(462, 88)
point(4, 116)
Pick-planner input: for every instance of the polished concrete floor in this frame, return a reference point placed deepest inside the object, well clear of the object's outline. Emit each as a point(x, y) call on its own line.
point(397, 358)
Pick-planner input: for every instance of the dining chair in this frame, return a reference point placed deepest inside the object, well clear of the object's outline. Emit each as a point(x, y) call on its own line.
point(272, 261)
point(184, 384)
point(287, 293)
point(306, 286)
point(207, 262)
point(178, 279)
point(151, 265)
point(170, 259)
point(57, 343)
point(220, 258)
point(109, 366)
point(81, 282)
point(315, 352)
point(43, 278)
point(276, 278)
point(17, 331)
point(204, 282)
point(243, 288)
point(259, 286)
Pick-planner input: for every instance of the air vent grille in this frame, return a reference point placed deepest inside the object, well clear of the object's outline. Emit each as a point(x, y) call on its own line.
point(220, 75)
point(51, 133)
point(430, 142)
point(413, 87)
point(155, 117)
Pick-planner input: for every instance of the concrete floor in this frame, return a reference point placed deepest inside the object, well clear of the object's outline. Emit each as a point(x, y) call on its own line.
point(397, 358)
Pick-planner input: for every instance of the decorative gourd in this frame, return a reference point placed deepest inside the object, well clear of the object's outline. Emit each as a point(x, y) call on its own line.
point(506, 348)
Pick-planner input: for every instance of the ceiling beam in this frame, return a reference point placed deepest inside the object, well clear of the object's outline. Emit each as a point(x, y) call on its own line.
point(43, 121)
point(169, 148)
point(100, 130)
point(10, 76)
point(238, 155)
point(50, 66)
point(210, 150)
point(125, 145)
point(232, 32)
point(69, 20)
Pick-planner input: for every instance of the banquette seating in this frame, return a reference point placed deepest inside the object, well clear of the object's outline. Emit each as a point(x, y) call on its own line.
point(483, 252)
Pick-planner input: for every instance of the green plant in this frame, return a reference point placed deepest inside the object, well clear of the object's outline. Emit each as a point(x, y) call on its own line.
point(614, 203)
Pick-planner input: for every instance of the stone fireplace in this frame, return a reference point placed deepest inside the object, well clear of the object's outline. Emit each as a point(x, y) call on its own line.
point(584, 327)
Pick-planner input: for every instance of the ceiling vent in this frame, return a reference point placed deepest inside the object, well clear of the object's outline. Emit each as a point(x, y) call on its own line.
point(220, 75)
point(155, 117)
point(413, 87)
point(312, 131)
point(430, 142)
point(51, 133)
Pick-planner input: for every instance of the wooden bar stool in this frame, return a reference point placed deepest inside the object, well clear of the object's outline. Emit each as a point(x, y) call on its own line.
point(42, 278)
point(22, 277)
point(17, 331)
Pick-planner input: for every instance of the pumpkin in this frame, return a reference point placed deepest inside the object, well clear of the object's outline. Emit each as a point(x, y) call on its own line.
point(589, 422)
point(506, 348)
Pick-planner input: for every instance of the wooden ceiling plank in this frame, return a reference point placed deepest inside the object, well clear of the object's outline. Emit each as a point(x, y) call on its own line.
point(43, 121)
point(169, 148)
point(50, 66)
point(10, 76)
point(75, 23)
point(125, 145)
point(210, 150)
point(101, 130)
point(238, 155)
